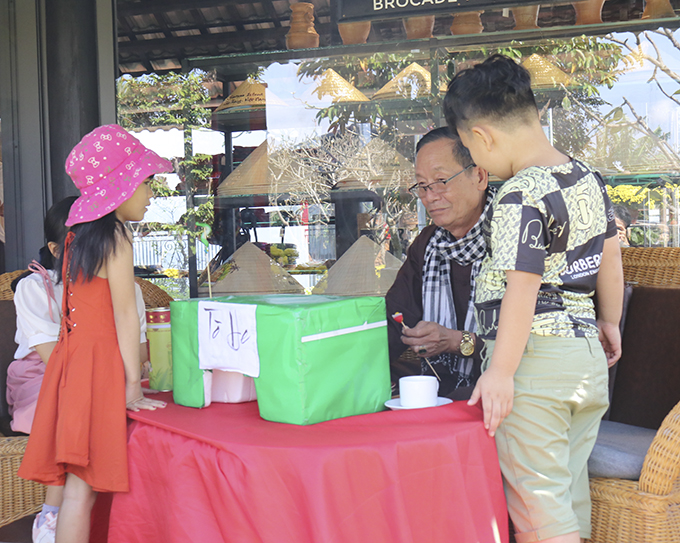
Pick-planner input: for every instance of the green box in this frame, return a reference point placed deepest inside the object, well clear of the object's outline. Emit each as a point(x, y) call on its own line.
point(321, 357)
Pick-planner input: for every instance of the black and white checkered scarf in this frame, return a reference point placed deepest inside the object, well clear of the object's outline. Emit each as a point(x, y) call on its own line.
point(438, 303)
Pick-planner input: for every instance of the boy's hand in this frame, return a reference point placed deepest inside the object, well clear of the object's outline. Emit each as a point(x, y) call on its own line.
point(610, 338)
point(496, 389)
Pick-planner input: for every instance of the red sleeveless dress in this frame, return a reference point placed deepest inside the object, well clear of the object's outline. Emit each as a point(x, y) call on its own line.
point(80, 421)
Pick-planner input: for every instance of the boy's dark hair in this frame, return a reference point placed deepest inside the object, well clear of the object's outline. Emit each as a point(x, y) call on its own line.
point(55, 231)
point(460, 152)
point(94, 242)
point(496, 89)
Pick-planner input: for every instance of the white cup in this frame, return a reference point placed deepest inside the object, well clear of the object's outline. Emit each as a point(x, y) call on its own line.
point(418, 391)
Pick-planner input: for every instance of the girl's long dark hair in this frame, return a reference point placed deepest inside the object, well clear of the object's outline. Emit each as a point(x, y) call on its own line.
point(93, 244)
point(55, 232)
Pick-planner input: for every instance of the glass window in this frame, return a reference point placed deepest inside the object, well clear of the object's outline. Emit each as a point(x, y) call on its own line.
point(319, 143)
point(170, 115)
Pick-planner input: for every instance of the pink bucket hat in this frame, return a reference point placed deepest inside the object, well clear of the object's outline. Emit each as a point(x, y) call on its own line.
point(107, 166)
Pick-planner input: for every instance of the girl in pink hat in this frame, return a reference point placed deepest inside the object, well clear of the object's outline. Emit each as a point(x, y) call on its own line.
point(37, 299)
point(78, 438)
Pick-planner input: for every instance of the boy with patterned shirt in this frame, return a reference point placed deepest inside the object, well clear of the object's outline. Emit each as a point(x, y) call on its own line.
point(552, 243)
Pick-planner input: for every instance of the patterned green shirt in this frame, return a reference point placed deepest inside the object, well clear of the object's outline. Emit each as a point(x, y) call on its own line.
point(551, 222)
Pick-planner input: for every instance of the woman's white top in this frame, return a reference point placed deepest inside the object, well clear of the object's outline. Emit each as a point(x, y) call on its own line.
point(34, 325)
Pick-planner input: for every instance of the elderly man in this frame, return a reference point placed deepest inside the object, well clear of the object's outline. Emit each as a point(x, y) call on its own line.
point(434, 289)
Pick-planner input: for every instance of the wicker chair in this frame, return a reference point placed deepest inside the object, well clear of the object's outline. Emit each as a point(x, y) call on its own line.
point(659, 266)
point(6, 282)
point(648, 510)
point(20, 498)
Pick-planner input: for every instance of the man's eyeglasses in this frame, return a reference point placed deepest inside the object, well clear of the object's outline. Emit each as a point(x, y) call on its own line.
point(437, 187)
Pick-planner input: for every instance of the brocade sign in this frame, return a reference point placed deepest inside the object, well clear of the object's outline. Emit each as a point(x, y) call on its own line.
point(361, 10)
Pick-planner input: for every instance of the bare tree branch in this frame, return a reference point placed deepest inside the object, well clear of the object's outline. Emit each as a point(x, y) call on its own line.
point(638, 54)
point(662, 144)
point(305, 172)
point(665, 93)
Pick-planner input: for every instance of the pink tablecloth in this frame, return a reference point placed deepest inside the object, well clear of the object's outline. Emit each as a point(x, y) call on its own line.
point(224, 474)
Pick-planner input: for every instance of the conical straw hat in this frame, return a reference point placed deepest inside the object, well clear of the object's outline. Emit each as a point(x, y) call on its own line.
point(250, 177)
point(333, 85)
point(261, 174)
point(250, 94)
point(412, 82)
point(250, 271)
point(366, 269)
point(544, 73)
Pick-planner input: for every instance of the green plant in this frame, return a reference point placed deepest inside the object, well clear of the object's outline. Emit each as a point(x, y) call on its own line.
point(157, 100)
point(644, 237)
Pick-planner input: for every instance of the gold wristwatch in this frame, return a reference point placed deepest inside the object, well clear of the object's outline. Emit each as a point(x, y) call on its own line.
point(467, 344)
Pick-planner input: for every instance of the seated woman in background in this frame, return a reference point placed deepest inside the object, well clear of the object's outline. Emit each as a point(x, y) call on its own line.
point(434, 289)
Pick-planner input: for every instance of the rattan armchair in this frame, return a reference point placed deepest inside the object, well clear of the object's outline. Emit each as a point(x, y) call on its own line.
point(6, 284)
point(648, 510)
point(659, 266)
point(18, 497)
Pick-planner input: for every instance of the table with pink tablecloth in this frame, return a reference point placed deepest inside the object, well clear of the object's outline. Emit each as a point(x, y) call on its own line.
point(224, 474)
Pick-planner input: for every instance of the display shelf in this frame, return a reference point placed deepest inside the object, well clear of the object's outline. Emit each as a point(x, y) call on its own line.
point(238, 66)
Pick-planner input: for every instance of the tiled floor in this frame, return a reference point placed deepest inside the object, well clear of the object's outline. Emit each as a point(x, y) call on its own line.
point(17, 532)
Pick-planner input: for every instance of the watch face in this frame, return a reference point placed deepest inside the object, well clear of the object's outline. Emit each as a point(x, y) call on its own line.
point(466, 349)
point(467, 345)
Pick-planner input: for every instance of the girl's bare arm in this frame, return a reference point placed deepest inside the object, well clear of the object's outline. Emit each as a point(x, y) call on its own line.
point(45, 350)
point(119, 272)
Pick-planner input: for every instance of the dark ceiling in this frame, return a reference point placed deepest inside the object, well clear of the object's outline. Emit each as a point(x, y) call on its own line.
point(156, 35)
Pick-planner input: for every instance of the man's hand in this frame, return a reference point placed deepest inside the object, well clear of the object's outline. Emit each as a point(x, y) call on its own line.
point(496, 389)
point(430, 339)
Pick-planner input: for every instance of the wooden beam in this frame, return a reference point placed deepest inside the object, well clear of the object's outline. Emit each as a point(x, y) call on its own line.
point(230, 38)
point(201, 22)
point(236, 19)
point(151, 6)
point(206, 25)
point(271, 10)
point(162, 22)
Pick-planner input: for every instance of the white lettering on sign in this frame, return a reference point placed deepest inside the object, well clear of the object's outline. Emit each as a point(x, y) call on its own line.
point(381, 5)
point(227, 337)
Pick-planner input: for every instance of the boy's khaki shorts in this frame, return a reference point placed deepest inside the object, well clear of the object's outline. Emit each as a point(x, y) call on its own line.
point(544, 443)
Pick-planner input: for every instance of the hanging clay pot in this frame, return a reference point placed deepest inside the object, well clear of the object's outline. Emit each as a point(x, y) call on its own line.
point(526, 17)
point(419, 27)
point(589, 12)
point(302, 34)
point(658, 9)
point(352, 33)
point(469, 22)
